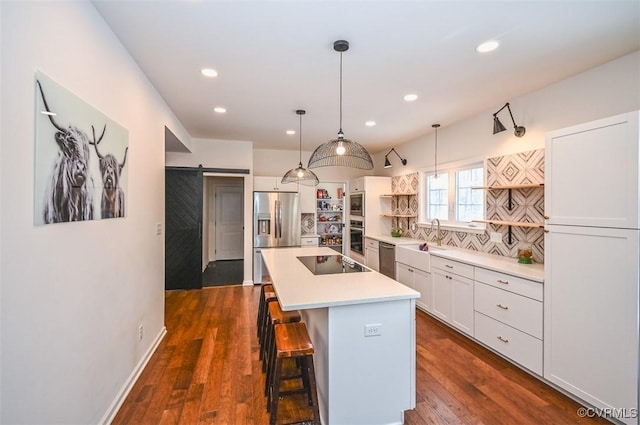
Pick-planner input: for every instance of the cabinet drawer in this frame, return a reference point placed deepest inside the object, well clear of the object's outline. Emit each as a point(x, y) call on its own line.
point(371, 243)
point(461, 269)
point(313, 241)
point(514, 310)
point(512, 343)
point(518, 285)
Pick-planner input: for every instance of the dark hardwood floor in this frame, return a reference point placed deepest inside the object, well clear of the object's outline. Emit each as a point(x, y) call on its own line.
point(206, 370)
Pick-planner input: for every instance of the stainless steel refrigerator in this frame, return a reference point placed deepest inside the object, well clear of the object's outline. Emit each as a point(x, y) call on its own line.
point(276, 224)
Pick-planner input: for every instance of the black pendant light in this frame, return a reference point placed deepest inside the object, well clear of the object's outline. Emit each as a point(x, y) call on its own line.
point(341, 152)
point(301, 175)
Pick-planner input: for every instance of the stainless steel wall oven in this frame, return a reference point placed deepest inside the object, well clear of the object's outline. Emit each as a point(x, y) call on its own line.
point(356, 231)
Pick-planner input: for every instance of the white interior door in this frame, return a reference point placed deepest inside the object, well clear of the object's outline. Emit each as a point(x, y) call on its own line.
point(229, 222)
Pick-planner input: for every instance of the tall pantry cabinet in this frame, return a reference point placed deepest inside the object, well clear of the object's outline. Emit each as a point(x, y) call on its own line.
point(591, 263)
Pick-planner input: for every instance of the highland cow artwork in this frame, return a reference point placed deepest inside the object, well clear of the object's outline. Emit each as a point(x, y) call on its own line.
point(80, 158)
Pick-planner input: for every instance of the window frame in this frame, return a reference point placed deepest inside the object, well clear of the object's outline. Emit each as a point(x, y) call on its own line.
point(451, 170)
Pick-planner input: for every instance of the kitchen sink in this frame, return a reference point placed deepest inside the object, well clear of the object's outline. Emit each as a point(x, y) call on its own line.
point(413, 256)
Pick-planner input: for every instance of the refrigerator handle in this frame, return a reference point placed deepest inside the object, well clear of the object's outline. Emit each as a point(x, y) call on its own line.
point(278, 216)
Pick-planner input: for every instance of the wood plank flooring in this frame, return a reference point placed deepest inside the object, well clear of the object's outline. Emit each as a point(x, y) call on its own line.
point(207, 371)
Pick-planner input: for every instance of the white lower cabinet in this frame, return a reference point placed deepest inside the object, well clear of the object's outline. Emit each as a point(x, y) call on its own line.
point(309, 241)
point(372, 254)
point(502, 311)
point(417, 279)
point(509, 323)
point(516, 345)
point(452, 293)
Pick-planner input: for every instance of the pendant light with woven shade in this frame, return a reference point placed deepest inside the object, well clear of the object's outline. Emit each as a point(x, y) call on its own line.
point(300, 175)
point(341, 152)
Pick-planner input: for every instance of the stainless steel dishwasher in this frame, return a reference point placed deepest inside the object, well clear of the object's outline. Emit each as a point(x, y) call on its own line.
point(388, 259)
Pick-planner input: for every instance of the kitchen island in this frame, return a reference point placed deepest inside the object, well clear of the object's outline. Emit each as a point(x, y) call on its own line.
point(362, 325)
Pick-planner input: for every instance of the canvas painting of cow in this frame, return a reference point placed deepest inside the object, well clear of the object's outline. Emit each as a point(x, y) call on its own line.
point(80, 173)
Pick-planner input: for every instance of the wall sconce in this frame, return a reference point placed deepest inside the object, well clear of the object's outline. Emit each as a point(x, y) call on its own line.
point(498, 127)
point(387, 163)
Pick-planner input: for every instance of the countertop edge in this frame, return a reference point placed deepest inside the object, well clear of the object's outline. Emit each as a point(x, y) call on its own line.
point(467, 257)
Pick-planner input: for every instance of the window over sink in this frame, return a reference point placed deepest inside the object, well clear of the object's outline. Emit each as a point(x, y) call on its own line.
point(450, 197)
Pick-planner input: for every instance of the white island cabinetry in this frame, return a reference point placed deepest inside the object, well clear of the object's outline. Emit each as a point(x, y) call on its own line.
point(338, 308)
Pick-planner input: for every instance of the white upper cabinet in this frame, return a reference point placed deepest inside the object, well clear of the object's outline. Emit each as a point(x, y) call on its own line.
point(356, 185)
point(591, 173)
point(272, 184)
point(307, 199)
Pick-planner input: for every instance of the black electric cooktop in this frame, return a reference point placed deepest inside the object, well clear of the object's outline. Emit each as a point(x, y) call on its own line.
point(331, 264)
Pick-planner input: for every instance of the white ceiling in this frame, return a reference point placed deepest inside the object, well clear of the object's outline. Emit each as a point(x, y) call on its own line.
point(274, 57)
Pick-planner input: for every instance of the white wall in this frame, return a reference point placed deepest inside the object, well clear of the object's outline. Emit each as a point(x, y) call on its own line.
point(271, 162)
point(228, 155)
point(603, 91)
point(74, 294)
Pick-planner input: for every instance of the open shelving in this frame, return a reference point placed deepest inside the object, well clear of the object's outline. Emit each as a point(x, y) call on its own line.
point(330, 217)
point(510, 206)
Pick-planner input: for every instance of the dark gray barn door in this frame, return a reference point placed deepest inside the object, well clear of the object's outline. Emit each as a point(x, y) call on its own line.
point(183, 233)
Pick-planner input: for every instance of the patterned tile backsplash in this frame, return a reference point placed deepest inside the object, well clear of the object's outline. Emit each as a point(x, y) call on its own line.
point(308, 223)
point(527, 205)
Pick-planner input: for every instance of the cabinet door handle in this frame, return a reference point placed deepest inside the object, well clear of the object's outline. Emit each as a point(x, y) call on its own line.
point(546, 217)
point(502, 339)
point(506, 282)
point(504, 307)
point(448, 266)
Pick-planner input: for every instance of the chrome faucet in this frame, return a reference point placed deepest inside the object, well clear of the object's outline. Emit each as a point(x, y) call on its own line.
point(438, 232)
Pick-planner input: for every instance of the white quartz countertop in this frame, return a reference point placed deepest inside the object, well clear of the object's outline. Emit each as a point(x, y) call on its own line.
point(493, 262)
point(395, 241)
point(297, 288)
point(485, 260)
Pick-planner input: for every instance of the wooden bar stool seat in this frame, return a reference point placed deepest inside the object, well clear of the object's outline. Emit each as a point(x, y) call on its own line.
point(292, 341)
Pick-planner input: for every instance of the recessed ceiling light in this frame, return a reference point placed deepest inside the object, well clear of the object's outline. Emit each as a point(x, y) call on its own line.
point(291, 132)
point(488, 46)
point(220, 110)
point(370, 123)
point(410, 97)
point(209, 72)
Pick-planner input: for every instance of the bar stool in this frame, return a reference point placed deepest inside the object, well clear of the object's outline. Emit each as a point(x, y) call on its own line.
point(269, 297)
point(292, 341)
point(262, 305)
point(275, 316)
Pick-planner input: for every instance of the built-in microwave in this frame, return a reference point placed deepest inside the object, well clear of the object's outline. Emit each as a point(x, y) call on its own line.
point(356, 202)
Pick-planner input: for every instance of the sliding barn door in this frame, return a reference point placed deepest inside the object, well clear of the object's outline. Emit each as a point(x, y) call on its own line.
point(183, 233)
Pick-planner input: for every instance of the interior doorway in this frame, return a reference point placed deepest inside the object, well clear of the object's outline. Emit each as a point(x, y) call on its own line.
point(223, 230)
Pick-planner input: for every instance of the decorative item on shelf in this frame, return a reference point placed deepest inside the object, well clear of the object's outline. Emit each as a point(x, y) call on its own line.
point(300, 174)
point(340, 193)
point(387, 163)
point(341, 152)
point(525, 253)
point(396, 233)
point(498, 127)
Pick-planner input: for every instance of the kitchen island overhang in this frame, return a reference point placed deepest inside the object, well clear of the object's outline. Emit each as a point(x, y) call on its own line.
point(363, 329)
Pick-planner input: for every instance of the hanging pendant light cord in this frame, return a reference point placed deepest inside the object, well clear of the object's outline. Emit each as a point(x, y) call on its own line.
point(435, 126)
point(340, 132)
point(300, 148)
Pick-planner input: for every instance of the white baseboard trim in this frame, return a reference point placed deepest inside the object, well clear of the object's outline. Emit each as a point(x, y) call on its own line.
point(113, 409)
point(247, 283)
